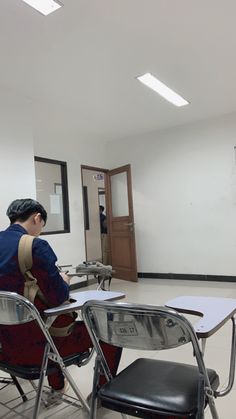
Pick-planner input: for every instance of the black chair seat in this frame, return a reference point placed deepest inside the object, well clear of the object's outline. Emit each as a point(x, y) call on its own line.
point(32, 372)
point(149, 386)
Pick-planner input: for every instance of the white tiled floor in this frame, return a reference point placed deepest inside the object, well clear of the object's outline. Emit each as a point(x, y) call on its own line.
point(147, 291)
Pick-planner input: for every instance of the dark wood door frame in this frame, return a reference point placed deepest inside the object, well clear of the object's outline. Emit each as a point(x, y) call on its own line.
point(120, 233)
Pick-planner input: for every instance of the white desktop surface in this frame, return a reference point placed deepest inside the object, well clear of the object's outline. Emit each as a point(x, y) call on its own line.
point(82, 297)
point(215, 312)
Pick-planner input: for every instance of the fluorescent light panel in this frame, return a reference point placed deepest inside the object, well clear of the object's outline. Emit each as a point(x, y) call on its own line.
point(159, 87)
point(44, 6)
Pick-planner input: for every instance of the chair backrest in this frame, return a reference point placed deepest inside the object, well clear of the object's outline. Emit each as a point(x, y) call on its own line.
point(137, 326)
point(142, 327)
point(16, 309)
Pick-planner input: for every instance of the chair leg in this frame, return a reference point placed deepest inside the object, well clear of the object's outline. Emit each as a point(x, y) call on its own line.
point(93, 407)
point(41, 379)
point(75, 389)
point(19, 388)
point(211, 402)
point(42, 397)
point(14, 380)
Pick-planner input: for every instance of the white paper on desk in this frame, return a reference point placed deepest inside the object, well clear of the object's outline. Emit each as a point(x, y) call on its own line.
point(55, 207)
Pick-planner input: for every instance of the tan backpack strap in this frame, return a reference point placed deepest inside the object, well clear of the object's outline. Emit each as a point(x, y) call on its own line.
point(31, 289)
point(25, 253)
point(25, 263)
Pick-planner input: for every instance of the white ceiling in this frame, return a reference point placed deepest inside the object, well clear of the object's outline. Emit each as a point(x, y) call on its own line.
point(79, 64)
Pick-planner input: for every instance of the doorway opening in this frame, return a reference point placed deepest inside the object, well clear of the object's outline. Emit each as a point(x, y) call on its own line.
point(95, 215)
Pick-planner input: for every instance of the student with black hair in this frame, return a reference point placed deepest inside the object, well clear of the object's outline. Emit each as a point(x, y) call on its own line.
point(28, 217)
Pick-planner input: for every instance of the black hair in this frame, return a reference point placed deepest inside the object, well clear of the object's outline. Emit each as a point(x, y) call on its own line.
point(22, 209)
point(101, 207)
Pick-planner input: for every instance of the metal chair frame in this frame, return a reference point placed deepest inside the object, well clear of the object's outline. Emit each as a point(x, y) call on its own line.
point(143, 327)
point(16, 309)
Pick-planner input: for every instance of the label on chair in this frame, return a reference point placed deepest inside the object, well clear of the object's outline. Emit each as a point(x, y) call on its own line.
point(124, 329)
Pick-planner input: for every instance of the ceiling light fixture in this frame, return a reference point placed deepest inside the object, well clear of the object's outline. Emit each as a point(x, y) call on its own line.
point(44, 6)
point(159, 87)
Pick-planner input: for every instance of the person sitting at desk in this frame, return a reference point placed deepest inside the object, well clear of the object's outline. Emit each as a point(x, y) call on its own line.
point(28, 216)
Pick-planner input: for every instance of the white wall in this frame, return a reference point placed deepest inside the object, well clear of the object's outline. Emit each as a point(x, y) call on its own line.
point(184, 190)
point(19, 142)
point(70, 248)
point(184, 187)
point(16, 152)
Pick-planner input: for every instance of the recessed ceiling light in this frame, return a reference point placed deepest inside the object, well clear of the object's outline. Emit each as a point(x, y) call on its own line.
point(159, 87)
point(44, 6)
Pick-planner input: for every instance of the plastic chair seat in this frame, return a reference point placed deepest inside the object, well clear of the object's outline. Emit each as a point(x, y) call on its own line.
point(155, 386)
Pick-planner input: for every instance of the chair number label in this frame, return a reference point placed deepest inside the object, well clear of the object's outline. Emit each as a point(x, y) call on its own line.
point(125, 329)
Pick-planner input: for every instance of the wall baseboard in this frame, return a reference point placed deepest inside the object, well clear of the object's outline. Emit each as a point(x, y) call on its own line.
point(82, 284)
point(188, 277)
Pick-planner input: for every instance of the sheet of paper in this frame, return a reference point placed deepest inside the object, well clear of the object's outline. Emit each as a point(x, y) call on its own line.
point(55, 207)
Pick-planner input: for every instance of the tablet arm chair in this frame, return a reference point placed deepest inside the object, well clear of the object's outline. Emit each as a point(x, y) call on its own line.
point(149, 388)
point(15, 310)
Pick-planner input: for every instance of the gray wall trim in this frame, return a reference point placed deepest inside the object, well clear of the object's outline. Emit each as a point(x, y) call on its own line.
point(188, 277)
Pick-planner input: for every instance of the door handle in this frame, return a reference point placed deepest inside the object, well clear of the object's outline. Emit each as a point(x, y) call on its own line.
point(130, 226)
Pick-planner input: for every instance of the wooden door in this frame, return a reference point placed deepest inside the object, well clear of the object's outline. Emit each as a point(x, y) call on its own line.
point(121, 223)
